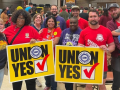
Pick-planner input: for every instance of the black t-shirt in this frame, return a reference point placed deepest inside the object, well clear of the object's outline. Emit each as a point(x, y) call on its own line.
point(3, 54)
point(84, 16)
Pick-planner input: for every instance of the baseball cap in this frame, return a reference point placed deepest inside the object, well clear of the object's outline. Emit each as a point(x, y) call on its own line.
point(113, 5)
point(75, 7)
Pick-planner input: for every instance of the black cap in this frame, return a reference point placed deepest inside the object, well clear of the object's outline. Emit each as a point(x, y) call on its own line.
point(85, 8)
point(113, 5)
point(30, 3)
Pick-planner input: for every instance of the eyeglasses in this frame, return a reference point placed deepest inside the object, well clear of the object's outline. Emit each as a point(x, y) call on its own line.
point(54, 9)
point(21, 18)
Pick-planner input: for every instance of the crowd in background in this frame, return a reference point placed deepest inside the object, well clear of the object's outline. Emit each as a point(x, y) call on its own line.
point(73, 27)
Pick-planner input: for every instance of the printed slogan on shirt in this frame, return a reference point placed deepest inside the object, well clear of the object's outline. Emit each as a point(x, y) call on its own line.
point(28, 61)
point(79, 65)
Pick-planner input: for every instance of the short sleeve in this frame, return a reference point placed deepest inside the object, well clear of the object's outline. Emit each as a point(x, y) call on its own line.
point(117, 30)
point(67, 23)
point(110, 37)
point(57, 32)
point(35, 33)
point(81, 38)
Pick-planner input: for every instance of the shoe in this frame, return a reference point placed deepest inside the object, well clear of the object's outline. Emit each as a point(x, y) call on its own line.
point(46, 88)
point(38, 83)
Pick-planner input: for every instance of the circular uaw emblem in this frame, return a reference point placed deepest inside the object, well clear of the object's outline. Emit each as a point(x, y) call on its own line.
point(36, 52)
point(84, 57)
point(99, 37)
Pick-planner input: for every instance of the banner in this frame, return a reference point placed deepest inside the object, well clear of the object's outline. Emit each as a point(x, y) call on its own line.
point(79, 65)
point(70, 1)
point(27, 61)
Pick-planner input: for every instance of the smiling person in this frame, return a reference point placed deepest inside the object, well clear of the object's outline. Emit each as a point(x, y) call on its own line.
point(37, 18)
point(114, 26)
point(97, 36)
point(82, 23)
point(60, 20)
point(51, 32)
point(21, 33)
point(69, 37)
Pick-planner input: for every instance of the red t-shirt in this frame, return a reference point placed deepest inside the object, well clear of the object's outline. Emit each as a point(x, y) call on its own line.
point(25, 35)
point(82, 23)
point(95, 38)
point(45, 35)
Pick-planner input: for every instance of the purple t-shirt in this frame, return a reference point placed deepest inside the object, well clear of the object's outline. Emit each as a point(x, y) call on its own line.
point(68, 38)
point(60, 22)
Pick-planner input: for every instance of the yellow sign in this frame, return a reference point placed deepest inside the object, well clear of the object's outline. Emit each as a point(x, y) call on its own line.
point(70, 1)
point(79, 65)
point(28, 61)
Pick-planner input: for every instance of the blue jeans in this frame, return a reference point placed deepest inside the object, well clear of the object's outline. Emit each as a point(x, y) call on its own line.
point(50, 82)
point(1, 76)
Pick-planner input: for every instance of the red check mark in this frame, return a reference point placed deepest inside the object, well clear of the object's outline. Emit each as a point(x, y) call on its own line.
point(88, 74)
point(41, 67)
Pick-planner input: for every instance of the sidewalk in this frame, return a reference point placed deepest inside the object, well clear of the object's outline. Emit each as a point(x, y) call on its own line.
point(8, 86)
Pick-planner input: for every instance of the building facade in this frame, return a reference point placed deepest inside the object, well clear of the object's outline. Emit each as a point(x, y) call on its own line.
point(96, 3)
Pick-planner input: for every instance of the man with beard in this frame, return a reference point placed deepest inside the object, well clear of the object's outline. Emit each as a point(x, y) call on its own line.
point(97, 36)
point(82, 23)
point(69, 37)
point(60, 21)
point(114, 26)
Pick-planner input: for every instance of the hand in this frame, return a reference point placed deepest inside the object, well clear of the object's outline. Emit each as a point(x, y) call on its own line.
point(32, 41)
point(103, 47)
point(40, 31)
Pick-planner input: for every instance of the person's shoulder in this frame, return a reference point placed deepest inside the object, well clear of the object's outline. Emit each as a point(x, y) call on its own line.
point(110, 22)
point(83, 20)
point(61, 18)
point(58, 29)
point(104, 28)
point(86, 29)
point(66, 30)
point(68, 20)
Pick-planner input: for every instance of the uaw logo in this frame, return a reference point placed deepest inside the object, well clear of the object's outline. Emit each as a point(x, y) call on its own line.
point(99, 37)
point(36, 52)
point(84, 57)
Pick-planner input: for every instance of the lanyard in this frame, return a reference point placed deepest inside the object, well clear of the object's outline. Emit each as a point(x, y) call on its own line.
point(50, 37)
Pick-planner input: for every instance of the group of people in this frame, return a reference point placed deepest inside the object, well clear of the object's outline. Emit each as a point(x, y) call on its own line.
point(75, 31)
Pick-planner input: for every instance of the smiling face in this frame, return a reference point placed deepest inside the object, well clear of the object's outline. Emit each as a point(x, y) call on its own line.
point(115, 12)
point(37, 19)
point(75, 12)
point(73, 24)
point(20, 21)
point(50, 23)
point(93, 18)
point(54, 10)
point(1, 26)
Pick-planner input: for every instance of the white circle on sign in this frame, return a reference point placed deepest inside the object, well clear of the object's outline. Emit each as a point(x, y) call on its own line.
point(36, 52)
point(84, 57)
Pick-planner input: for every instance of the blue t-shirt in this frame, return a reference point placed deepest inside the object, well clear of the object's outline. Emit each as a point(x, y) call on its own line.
point(60, 22)
point(68, 38)
point(36, 28)
point(27, 9)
